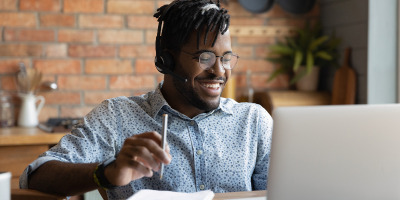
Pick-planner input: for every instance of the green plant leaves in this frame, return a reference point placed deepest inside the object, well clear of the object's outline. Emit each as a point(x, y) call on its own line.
point(280, 49)
point(309, 48)
point(298, 58)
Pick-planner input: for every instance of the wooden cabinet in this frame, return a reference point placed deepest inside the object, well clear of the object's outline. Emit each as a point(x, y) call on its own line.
point(277, 98)
point(299, 98)
point(21, 146)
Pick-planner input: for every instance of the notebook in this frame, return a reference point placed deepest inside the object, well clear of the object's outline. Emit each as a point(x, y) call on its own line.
point(331, 152)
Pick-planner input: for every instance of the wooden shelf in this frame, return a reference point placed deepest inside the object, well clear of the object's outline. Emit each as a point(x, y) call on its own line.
point(299, 98)
point(20, 146)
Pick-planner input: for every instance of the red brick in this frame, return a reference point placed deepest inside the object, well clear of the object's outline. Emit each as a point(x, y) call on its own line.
point(255, 40)
point(144, 22)
point(137, 51)
point(21, 50)
point(40, 5)
point(150, 36)
point(80, 111)
point(108, 67)
point(55, 51)
point(160, 78)
point(261, 81)
point(101, 21)
point(8, 83)
point(57, 20)
point(81, 82)
point(91, 51)
point(83, 6)
point(131, 7)
point(76, 36)
point(94, 98)
point(132, 82)
point(18, 19)
point(29, 35)
point(145, 66)
point(8, 5)
point(48, 111)
point(262, 51)
point(119, 36)
point(161, 3)
point(255, 65)
point(243, 51)
point(11, 65)
point(57, 97)
point(58, 66)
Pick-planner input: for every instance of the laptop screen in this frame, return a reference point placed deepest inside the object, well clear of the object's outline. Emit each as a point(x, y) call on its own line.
point(335, 152)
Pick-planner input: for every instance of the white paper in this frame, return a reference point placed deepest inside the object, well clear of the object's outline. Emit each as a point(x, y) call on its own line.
point(168, 195)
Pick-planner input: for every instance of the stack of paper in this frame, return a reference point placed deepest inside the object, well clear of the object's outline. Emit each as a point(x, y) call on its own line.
point(168, 195)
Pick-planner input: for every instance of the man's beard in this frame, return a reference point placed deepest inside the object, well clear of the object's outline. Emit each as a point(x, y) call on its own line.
point(192, 96)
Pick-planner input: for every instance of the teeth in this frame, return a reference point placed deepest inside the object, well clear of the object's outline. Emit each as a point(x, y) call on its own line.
point(215, 86)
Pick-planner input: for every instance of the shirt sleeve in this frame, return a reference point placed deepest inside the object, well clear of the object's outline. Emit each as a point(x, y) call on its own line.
point(90, 142)
point(264, 130)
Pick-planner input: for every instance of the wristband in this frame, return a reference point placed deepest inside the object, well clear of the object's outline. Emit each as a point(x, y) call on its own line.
point(99, 177)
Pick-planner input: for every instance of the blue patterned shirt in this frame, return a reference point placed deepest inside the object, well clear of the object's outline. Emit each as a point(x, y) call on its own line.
point(224, 150)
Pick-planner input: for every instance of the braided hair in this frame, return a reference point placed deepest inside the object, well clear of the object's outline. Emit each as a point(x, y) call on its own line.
point(182, 17)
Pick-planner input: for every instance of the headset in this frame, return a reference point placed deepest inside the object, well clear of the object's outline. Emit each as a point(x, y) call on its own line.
point(164, 61)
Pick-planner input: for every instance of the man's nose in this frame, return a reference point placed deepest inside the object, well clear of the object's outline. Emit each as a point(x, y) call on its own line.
point(218, 68)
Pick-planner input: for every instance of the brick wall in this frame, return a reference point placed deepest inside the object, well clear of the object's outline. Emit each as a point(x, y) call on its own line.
point(98, 49)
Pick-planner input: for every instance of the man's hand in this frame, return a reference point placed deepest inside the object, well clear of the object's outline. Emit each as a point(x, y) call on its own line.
point(139, 156)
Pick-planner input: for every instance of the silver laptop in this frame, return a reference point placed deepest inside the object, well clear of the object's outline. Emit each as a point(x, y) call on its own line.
point(349, 152)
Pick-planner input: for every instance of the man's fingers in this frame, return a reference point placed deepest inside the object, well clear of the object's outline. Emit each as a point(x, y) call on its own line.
point(142, 155)
point(140, 170)
point(150, 144)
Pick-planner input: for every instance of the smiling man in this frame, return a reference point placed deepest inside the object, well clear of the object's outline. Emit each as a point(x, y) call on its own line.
point(214, 143)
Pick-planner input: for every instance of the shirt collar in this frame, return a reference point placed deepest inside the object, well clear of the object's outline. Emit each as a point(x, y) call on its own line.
point(157, 102)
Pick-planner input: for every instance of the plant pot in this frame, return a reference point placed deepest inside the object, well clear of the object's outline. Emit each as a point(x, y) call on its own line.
point(309, 82)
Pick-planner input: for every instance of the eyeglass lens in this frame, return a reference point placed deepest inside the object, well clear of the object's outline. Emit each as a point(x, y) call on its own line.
point(207, 60)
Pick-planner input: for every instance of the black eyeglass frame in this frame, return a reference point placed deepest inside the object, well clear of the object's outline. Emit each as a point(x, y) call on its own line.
point(198, 54)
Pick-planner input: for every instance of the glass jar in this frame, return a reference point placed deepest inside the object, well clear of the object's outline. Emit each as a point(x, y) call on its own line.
point(6, 111)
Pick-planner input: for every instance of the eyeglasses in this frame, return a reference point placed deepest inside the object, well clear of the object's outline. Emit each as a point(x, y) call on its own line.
point(207, 59)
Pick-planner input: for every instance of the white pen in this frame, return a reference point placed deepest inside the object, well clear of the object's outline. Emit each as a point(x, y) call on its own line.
point(163, 139)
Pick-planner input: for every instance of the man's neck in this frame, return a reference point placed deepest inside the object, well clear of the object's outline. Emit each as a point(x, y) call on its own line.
point(180, 104)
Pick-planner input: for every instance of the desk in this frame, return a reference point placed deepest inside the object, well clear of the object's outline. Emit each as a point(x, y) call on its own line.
point(20, 146)
point(32, 194)
point(237, 195)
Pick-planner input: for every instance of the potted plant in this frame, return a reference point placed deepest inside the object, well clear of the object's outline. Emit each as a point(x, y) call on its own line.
point(300, 54)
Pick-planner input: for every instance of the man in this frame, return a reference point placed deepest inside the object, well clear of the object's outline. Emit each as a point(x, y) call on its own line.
point(213, 143)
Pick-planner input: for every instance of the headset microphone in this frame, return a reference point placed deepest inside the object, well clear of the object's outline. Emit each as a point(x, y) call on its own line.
point(166, 70)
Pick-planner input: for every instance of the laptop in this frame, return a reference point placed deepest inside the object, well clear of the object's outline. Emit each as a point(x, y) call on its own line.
point(346, 152)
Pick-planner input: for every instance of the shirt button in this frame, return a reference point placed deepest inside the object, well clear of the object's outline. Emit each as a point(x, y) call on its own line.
point(192, 123)
point(202, 187)
point(199, 152)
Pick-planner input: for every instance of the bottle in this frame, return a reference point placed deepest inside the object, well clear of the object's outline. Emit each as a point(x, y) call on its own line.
point(6, 111)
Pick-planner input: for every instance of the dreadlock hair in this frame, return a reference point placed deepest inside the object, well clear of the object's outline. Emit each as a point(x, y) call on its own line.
point(182, 17)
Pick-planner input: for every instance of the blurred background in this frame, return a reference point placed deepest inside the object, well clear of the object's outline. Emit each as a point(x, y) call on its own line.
point(98, 49)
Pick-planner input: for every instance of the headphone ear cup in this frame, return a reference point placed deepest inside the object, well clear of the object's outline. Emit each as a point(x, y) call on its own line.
point(168, 60)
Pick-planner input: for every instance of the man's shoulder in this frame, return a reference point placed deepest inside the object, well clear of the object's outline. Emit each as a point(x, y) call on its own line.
point(234, 106)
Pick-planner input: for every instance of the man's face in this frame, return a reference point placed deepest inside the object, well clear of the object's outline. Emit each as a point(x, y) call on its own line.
point(204, 87)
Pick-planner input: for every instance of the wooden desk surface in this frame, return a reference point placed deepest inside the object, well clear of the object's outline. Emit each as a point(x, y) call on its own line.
point(25, 193)
point(237, 195)
point(16, 136)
